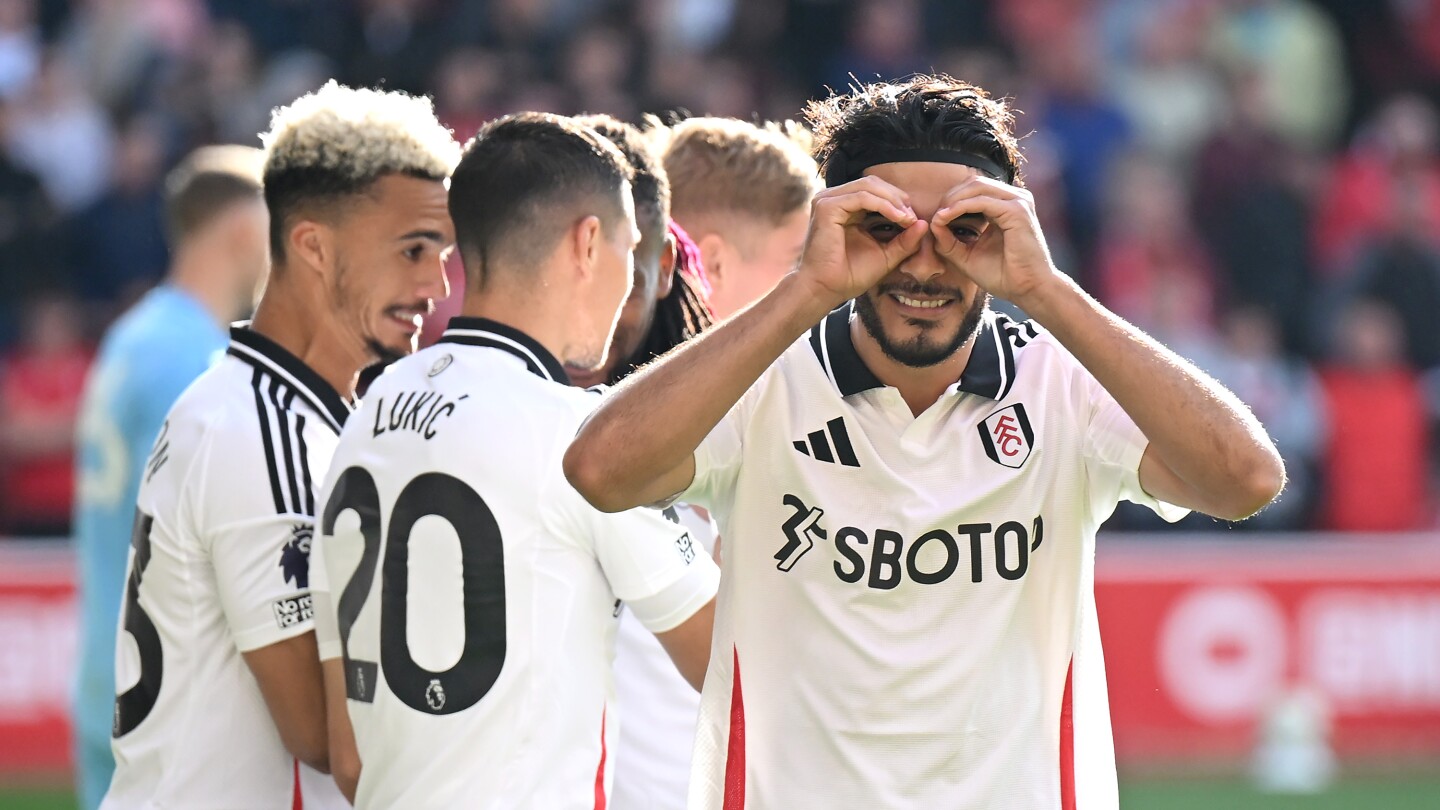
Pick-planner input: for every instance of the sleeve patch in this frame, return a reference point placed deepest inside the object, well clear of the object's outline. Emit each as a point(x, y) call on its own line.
point(293, 610)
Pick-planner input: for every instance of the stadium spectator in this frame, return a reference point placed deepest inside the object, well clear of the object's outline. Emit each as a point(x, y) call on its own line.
point(1170, 90)
point(1287, 398)
point(1402, 269)
point(28, 221)
point(1376, 474)
point(1152, 269)
point(1394, 162)
point(1250, 206)
point(1295, 48)
point(117, 243)
point(1090, 132)
point(62, 135)
point(41, 381)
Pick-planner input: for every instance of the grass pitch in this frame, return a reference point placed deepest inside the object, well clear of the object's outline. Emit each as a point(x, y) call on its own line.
point(1370, 793)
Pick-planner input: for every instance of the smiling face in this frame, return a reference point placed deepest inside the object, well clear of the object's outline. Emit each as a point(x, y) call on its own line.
point(388, 262)
point(924, 311)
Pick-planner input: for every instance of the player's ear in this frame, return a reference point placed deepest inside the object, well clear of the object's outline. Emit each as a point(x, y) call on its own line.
point(667, 268)
point(712, 250)
point(585, 244)
point(311, 244)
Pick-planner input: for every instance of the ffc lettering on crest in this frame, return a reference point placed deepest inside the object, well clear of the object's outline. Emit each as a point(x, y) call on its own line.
point(1008, 436)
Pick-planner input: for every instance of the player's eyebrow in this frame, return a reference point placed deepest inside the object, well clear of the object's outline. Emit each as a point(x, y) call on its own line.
point(433, 236)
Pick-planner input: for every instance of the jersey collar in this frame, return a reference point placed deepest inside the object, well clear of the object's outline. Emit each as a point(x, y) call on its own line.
point(469, 331)
point(265, 354)
point(989, 373)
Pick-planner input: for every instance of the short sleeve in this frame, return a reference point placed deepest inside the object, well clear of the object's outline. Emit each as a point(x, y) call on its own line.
point(655, 566)
point(1113, 447)
point(262, 573)
point(260, 554)
point(718, 458)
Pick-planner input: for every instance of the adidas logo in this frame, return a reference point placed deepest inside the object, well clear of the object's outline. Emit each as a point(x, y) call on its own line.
point(818, 445)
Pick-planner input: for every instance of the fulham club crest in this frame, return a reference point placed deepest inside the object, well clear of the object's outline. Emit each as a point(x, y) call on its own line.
point(1007, 436)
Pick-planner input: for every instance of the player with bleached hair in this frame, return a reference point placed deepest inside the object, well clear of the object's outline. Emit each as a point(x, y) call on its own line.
point(220, 702)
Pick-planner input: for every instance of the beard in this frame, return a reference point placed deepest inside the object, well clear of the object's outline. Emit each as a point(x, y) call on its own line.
point(925, 349)
point(345, 302)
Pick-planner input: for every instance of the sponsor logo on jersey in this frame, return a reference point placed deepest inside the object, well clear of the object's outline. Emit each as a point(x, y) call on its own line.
point(801, 531)
point(1007, 436)
point(293, 610)
point(295, 556)
point(883, 558)
point(830, 444)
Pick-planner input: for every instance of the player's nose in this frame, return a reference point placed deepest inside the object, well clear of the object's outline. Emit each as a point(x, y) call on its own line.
point(925, 263)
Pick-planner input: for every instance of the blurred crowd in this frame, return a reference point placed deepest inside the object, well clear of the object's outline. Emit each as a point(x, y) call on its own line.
point(1255, 182)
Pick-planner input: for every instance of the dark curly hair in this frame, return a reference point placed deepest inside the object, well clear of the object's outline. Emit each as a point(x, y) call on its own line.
point(681, 315)
point(922, 112)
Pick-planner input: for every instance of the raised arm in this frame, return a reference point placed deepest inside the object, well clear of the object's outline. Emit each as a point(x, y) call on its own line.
point(624, 457)
point(1207, 451)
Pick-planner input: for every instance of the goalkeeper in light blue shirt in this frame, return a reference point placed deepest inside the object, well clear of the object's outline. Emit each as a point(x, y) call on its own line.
point(217, 227)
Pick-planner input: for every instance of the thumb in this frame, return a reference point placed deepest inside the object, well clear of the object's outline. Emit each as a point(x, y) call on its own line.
point(904, 246)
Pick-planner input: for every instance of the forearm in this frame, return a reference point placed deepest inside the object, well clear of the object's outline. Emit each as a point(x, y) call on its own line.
point(1199, 430)
point(650, 425)
point(344, 756)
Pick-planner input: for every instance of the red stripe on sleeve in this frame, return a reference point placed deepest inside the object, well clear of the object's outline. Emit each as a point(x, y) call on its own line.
point(600, 769)
point(735, 752)
point(1067, 742)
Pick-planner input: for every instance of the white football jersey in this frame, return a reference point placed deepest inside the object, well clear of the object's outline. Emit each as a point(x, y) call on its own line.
point(660, 707)
point(906, 617)
point(471, 591)
point(219, 566)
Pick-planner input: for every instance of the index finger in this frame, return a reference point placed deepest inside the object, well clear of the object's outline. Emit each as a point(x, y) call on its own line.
point(896, 195)
point(846, 209)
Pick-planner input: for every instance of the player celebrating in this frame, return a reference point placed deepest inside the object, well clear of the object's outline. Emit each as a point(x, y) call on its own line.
point(743, 193)
point(910, 487)
point(469, 595)
point(216, 223)
point(218, 678)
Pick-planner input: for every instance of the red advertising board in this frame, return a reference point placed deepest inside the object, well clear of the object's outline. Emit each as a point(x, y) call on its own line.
point(1203, 639)
point(37, 656)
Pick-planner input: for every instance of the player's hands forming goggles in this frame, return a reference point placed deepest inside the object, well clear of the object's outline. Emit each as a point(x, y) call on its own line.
point(986, 229)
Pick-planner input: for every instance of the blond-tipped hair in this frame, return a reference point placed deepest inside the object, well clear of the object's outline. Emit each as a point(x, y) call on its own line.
point(337, 141)
point(723, 167)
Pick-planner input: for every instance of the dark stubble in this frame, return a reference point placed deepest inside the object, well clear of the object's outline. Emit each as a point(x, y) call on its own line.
point(927, 348)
